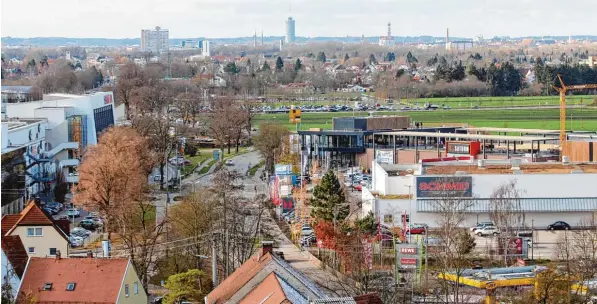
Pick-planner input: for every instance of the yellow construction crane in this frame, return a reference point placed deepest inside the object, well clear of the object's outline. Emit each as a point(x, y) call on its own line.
point(563, 89)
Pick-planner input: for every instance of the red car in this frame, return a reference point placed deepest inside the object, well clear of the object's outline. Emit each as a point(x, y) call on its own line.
point(358, 187)
point(417, 229)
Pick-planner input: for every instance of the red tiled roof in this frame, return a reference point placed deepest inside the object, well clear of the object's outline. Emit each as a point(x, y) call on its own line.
point(238, 279)
point(8, 221)
point(97, 280)
point(268, 291)
point(15, 252)
point(32, 215)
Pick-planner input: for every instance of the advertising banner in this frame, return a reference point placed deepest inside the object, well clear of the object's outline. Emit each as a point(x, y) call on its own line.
point(285, 184)
point(444, 186)
point(368, 250)
point(281, 169)
point(384, 156)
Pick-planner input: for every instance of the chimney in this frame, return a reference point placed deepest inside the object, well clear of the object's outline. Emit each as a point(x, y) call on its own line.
point(267, 246)
point(89, 254)
point(58, 255)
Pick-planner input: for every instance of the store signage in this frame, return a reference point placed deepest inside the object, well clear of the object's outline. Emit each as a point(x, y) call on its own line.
point(409, 261)
point(408, 250)
point(455, 148)
point(444, 186)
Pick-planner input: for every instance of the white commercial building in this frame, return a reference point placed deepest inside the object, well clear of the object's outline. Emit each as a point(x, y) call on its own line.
point(290, 30)
point(156, 41)
point(50, 135)
point(547, 192)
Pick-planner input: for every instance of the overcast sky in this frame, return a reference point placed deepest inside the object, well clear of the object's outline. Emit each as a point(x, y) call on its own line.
point(235, 18)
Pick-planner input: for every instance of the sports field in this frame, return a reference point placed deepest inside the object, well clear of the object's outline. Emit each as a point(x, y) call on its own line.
point(577, 118)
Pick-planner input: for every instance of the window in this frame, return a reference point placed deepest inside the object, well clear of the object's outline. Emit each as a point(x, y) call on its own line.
point(52, 251)
point(126, 290)
point(136, 288)
point(70, 286)
point(35, 232)
point(388, 219)
point(31, 250)
point(104, 118)
point(47, 286)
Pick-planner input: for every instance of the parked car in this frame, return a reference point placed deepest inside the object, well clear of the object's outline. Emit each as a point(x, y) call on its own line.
point(80, 230)
point(487, 230)
point(229, 162)
point(308, 240)
point(50, 211)
point(559, 225)
point(73, 213)
point(482, 225)
point(95, 220)
point(417, 229)
point(75, 241)
point(307, 230)
point(88, 224)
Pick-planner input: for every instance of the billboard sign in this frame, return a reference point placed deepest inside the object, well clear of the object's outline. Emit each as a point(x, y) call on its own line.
point(281, 169)
point(384, 156)
point(444, 186)
point(408, 256)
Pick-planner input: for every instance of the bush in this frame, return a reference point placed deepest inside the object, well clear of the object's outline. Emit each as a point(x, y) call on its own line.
point(191, 150)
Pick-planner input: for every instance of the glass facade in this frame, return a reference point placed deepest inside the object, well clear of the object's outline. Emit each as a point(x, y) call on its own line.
point(104, 118)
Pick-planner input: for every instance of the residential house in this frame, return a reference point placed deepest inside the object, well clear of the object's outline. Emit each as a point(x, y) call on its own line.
point(81, 280)
point(265, 278)
point(40, 235)
point(14, 259)
point(591, 61)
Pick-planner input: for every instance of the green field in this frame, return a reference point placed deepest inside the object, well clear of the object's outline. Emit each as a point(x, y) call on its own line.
point(578, 118)
point(500, 102)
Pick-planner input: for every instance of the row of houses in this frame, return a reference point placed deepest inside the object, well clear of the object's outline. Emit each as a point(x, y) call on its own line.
point(36, 265)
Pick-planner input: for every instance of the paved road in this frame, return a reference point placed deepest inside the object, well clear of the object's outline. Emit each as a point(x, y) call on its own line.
point(297, 258)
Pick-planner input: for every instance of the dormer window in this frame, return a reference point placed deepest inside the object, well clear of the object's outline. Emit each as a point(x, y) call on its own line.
point(48, 286)
point(71, 286)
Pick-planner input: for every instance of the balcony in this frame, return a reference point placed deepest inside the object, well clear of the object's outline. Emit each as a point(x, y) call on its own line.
point(73, 162)
point(72, 179)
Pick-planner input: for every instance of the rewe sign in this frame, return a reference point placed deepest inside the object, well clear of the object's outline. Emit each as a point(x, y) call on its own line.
point(442, 186)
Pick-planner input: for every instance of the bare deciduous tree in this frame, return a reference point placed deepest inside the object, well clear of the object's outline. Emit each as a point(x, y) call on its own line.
point(507, 213)
point(113, 173)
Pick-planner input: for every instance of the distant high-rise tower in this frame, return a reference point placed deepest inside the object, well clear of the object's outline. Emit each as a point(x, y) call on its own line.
point(255, 39)
point(155, 41)
point(389, 39)
point(261, 37)
point(448, 46)
point(570, 39)
point(290, 34)
point(206, 50)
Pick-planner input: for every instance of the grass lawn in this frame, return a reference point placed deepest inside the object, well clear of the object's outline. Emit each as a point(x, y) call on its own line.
point(468, 102)
point(254, 169)
point(206, 156)
point(577, 119)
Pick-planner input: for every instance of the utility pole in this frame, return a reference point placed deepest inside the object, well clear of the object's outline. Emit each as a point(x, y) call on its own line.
point(214, 262)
